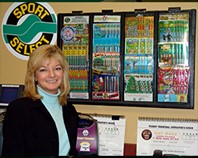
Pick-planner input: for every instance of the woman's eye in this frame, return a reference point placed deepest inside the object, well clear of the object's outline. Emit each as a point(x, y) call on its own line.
point(42, 70)
point(59, 68)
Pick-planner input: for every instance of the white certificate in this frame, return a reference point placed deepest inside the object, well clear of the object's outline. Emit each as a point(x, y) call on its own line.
point(111, 134)
point(165, 137)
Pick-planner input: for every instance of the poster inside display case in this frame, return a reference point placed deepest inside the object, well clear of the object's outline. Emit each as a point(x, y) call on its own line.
point(74, 34)
point(174, 57)
point(138, 57)
point(106, 57)
point(141, 58)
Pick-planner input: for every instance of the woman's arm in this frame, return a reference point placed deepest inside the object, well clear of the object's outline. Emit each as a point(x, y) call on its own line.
point(13, 131)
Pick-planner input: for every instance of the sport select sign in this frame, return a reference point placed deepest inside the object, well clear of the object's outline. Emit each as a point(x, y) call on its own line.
point(28, 25)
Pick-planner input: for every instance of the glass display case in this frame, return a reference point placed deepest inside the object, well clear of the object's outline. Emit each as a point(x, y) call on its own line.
point(140, 58)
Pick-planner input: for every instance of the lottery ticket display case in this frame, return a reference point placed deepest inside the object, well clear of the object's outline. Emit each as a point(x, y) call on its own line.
point(139, 58)
point(74, 40)
point(176, 57)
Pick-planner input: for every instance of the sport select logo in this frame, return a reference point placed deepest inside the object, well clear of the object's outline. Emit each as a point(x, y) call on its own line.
point(28, 25)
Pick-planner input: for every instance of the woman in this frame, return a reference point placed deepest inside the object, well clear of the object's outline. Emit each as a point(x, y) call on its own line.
point(42, 122)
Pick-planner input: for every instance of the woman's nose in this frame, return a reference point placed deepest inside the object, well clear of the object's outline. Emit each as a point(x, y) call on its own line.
point(51, 73)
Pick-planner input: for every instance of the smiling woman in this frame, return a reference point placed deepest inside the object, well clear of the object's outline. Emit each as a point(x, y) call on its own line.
point(46, 64)
point(49, 76)
point(45, 124)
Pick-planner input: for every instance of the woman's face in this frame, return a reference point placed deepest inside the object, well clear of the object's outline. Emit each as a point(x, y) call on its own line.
point(49, 76)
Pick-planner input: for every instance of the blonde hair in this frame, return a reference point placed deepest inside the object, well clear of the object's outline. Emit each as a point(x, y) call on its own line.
point(42, 53)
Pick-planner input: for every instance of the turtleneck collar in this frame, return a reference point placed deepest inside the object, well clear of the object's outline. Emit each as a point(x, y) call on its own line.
point(47, 97)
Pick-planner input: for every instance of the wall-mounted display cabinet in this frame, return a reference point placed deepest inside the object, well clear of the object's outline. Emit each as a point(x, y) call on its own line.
point(140, 58)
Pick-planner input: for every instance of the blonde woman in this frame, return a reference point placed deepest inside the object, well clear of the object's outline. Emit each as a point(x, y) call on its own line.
point(42, 123)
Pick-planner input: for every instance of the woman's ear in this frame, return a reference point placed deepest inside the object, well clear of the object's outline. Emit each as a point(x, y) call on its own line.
point(35, 79)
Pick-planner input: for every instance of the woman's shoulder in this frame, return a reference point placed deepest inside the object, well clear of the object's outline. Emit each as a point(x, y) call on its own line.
point(70, 106)
point(21, 102)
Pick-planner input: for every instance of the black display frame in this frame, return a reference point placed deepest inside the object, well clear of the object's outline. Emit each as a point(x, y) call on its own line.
point(154, 104)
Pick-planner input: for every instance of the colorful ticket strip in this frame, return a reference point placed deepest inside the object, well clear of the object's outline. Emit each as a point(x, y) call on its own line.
point(173, 27)
point(106, 57)
point(173, 84)
point(173, 54)
point(173, 57)
point(75, 36)
point(138, 87)
point(139, 26)
point(138, 64)
point(138, 58)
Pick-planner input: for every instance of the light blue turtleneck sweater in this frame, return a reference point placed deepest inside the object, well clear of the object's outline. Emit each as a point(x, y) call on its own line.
point(55, 109)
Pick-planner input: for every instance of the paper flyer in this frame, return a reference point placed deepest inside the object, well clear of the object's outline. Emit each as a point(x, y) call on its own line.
point(111, 134)
point(162, 137)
